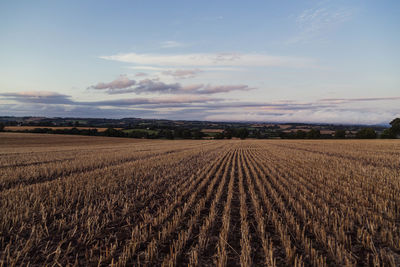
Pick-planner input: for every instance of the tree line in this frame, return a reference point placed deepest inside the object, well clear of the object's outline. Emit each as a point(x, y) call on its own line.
point(227, 133)
point(364, 133)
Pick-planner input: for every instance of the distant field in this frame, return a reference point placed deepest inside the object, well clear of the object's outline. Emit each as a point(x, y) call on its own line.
point(212, 130)
point(24, 142)
point(24, 128)
point(98, 201)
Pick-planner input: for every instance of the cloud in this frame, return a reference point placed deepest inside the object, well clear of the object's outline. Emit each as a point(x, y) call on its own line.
point(171, 44)
point(203, 107)
point(222, 89)
point(308, 116)
point(182, 73)
point(121, 82)
point(200, 111)
point(166, 68)
point(314, 22)
point(217, 60)
point(169, 101)
point(123, 85)
point(43, 97)
point(141, 74)
point(151, 86)
point(365, 99)
point(52, 98)
point(74, 111)
point(149, 68)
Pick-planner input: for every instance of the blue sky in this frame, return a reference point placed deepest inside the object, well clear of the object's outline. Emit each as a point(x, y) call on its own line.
point(289, 61)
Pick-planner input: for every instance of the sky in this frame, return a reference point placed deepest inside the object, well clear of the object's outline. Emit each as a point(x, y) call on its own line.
point(271, 61)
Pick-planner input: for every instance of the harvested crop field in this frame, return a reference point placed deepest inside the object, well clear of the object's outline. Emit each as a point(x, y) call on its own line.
point(88, 201)
point(30, 128)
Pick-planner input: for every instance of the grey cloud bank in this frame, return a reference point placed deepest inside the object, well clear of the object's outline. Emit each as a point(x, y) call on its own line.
point(123, 85)
point(42, 97)
point(200, 107)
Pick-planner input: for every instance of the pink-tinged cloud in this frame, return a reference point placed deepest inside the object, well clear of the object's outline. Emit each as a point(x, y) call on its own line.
point(141, 74)
point(121, 82)
point(182, 73)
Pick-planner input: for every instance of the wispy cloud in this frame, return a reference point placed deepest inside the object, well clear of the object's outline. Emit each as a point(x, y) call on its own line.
point(314, 22)
point(167, 69)
point(171, 44)
point(211, 60)
point(148, 68)
point(140, 101)
point(182, 73)
point(365, 99)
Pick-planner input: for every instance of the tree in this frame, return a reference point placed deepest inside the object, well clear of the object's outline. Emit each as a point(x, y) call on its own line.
point(219, 136)
point(393, 131)
point(138, 134)
point(242, 133)
point(167, 134)
point(395, 126)
point(388, 134)
point(197, 134)
point(113, 133)
point(178, 133)
point(257, 134)
point(340, 134)
point(228, 133)
point(2, 127)
point(301, 134)
point(186, 134)
point(366, 133)
point(314, 134)
point(74, 131)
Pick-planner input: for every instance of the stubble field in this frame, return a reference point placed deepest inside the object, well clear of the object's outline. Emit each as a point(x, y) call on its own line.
point(94, 201)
